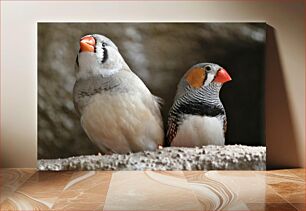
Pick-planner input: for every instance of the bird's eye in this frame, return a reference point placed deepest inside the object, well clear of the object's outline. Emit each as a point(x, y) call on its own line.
point(104, 44)
point(208, 68)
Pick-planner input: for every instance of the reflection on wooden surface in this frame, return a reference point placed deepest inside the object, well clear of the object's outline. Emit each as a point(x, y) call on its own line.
point(27, 189)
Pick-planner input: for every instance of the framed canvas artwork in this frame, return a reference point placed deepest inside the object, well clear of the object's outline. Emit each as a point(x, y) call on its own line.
point(151, 96)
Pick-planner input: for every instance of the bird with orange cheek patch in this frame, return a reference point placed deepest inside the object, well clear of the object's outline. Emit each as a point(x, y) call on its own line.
point(117, 111)
point(197, 116)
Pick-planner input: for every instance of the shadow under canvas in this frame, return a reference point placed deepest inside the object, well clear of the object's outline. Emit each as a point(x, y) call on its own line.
point(280, 137)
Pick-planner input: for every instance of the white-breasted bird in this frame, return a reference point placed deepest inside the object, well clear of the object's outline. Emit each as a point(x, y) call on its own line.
point(118, 112)
point(197, 116)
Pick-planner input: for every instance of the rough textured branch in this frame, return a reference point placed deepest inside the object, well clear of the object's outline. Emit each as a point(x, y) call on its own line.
point(230, 157)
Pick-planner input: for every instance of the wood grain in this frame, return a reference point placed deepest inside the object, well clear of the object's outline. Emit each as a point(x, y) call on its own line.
point(26, 189)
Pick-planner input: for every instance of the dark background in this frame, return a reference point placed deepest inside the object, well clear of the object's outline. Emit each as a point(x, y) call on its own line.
point(159, 53)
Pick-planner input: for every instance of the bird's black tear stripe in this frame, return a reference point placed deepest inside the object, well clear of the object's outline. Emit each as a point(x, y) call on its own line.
point(105, 54)
point(205, 78)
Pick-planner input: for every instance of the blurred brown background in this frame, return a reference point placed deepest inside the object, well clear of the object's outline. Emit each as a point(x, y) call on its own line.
point(159, 53)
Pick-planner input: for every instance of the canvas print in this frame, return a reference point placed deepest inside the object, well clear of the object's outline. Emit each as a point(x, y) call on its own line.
point(151, 96)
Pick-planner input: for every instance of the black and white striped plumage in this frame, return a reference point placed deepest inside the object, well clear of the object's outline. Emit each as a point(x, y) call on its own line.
point(197, 116)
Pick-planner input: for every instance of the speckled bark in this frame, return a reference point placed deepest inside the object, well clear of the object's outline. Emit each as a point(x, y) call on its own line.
point(231, 157)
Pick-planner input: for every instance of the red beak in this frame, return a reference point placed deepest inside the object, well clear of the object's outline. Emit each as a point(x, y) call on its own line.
point(222, 76)
point(87, 44)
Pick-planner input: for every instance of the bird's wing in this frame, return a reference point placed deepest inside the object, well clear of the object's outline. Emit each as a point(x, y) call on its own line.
point(224, 124)
point(171, 131)
point(153, 103)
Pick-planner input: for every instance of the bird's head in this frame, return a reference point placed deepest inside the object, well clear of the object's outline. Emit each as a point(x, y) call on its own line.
point(203, 75)
point(98, 55)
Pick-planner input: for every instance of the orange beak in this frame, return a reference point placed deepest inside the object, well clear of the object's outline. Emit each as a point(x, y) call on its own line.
point(222, 76)
point(87, 44)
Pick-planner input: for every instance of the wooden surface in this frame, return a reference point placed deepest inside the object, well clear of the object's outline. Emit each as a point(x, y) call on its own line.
point(27, 189)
